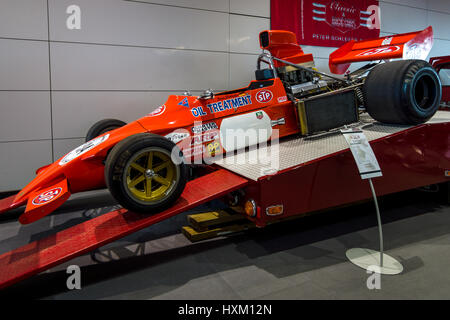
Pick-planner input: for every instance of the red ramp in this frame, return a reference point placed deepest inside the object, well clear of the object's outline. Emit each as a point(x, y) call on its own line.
point(46, 253)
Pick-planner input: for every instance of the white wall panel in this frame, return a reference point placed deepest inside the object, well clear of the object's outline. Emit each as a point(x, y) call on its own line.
point(217, 5)
point(19, 161)
point(24, 116)
point(318, 52)
point(23, 65)
point(242, 69)
point(25, 19)
point(322, 64)
point(440, 23)
point(399, 19)
point(141, 24)
point(439, 5)
point(410, 3)
point(244, 33)
point(251, 7)
point(75, 112)
point(440, 48)
point(98, 67)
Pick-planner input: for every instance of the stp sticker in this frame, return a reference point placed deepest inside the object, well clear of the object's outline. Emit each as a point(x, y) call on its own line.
point(264, 96)
point(158, 111)
point(47, 196)
point(83, 149)
point(375, 51)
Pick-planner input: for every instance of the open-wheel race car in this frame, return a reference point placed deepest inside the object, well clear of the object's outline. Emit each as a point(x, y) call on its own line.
point(145, 164)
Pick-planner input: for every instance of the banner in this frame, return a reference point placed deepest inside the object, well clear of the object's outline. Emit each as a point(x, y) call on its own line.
point(327, 23)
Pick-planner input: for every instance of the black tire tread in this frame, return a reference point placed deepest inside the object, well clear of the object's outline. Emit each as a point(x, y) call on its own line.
point(138, 141)
point(103, 126)
point(385, 95)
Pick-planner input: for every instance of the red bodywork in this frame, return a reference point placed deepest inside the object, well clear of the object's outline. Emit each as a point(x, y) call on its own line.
point(443, 63)
point(198, 125)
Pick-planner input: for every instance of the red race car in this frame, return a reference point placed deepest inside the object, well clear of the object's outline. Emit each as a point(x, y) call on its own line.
point(145, 164)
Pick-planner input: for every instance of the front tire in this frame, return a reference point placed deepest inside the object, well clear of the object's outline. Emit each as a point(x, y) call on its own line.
point(141, 175)
point(103, 126)
point(402, 92)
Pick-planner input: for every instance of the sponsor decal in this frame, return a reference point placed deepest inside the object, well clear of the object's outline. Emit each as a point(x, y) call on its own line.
point(194, 150)
point(259, 115)
point(213, 147)
point(176, 137)
point(228, 104)
point(375, 51)
point(204, 127)
point(208, 136)
point(83, 149)
point(264, 96)
point(184, 103)
point(47, 196)
point(282, 99)
point(198, 112)
point(158, 111)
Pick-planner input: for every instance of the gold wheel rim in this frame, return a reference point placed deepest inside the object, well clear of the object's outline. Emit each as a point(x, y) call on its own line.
point(150, 176)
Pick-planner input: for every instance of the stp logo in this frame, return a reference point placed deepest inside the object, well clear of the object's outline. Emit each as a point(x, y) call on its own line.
point(47, 196)
point(375, 51)
point(264, 96)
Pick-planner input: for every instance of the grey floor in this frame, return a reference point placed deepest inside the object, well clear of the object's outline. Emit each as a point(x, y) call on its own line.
point(303, 259)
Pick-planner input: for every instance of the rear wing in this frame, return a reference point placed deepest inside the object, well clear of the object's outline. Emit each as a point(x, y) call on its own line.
point(413, 45)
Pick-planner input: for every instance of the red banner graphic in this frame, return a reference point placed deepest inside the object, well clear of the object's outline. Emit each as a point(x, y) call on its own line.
point(327, 23)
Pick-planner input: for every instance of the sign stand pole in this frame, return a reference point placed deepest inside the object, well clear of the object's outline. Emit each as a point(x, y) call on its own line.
point(375, 261)
point(380, 227)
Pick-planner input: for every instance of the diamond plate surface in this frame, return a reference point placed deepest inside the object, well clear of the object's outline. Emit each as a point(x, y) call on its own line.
point(294, 151)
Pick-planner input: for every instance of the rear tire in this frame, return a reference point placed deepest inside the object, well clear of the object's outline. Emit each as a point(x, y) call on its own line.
point(103, 126)
point(402, 92)
point(141, 175)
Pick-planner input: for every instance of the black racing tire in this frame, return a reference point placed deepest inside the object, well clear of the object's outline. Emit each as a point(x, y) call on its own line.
point(119, 172)
point(402, 92)
point(103, 126)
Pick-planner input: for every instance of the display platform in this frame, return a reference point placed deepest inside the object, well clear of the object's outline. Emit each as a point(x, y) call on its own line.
point(295, 151)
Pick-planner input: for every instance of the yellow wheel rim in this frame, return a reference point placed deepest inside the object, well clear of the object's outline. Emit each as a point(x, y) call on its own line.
point(150, 175)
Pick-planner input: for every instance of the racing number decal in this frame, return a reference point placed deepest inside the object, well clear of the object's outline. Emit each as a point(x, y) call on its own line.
point(264, 96)
point(47, 196)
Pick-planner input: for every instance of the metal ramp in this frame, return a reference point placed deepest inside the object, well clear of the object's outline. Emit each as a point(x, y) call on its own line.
point(297, 151)
point(46, 253)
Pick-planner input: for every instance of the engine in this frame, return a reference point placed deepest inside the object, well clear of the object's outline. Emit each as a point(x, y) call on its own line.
point(300, 83)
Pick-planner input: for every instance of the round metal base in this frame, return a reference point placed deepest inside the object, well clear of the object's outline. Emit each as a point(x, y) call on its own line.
point(365, 258)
